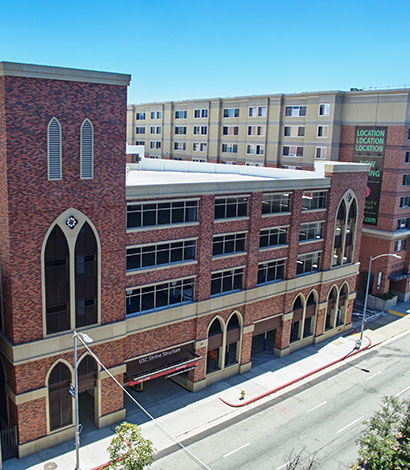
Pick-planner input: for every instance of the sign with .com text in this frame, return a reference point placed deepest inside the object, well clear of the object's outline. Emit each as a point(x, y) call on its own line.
point(369, 147)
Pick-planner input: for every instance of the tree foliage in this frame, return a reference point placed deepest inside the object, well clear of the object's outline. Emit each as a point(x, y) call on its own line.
point(129, 450)
point(385, 442)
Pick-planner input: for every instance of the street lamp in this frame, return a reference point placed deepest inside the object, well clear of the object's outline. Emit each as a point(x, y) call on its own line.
point(367, 292)
point(84, 338)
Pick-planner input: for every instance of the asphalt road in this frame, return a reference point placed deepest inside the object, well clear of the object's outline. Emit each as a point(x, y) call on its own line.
point(324, 419)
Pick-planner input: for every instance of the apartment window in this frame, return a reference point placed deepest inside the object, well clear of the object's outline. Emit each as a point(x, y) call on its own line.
point(400, 245)
point(255, 149)
point(140, 130)
point(292, 167)
point(155, 129)
point(225, 162)
point(408, 135)
point(199, 160)
point(140, 116)
point(271, 271)
point(406, 180)
point(256, 130)
point(308, 263)
point(274, 203)
point(324, 109)
point(403, 223)
point(311, 231)
point(257, 111)
point(158, 296)
point(201, 113)
point(320, 153)
point(230, 243)
point(155, 145)
point(199, 146)
point(294, 131)
point(313, 200)
point(155, 157)
point(204, 130)
point(230, 130)
point(404, 202)
point(292, 151)
point(226, 281)
point(230, 148)
point(139, 142)
point(294, 111)
point(196, 130)
point(179, 159)
point(226, 207)
point(407, 159)
point(180, 114)
point(150, 214)
point(180, 130)
point(231, 112)
point(156, 114)
point(179, 146)
point(162, 253)
point(273, 237)
point(322, 131)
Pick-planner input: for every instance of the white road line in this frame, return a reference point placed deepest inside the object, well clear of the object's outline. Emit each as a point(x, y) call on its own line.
point(374, 375)
point(317, 406)
point(236, 450)
point(284, 465)
point(351, 424)
point(405, 390)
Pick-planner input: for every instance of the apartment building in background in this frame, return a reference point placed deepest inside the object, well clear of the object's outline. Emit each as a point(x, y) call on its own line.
point(179, 270)
point(293, 131)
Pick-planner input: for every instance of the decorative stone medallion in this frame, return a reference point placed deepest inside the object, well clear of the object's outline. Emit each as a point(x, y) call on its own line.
point(71, 222)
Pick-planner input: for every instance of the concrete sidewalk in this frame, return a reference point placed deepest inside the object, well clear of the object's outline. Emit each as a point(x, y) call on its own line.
point(185, 415)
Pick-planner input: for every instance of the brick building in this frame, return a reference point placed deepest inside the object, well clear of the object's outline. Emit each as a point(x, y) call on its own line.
point(171, 267)
point(293, 131)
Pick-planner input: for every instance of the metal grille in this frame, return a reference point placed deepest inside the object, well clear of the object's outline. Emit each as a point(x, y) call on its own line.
point(87, 144)
point(54, 150)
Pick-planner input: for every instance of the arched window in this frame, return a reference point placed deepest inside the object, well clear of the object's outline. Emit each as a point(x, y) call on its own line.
point(59, 398)
point(331, 312)
point(215, 339)
point(57, 282)
point(296, 329)
point(338, 237)
point(233, 335)
point(350, 231)
point(86, 278)
point(54, 149)
point(342, 306)
point(309, 322)
point(87, 150)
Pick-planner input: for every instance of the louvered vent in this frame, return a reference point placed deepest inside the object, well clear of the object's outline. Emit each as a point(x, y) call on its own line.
point(87, 150)
point(54, 150)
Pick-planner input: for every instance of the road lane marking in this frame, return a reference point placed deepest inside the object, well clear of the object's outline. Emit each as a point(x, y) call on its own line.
point(405, 390)
point(236, 450)
point(283, 466)
point(374, 375)
point(351, 424)
point(317, 406)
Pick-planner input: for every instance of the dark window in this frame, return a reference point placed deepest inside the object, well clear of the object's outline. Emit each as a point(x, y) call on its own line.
point(272, 203)
point(313, 200)
point(271, 271)
point(273, 236)
point(311, 231)
point(404, 202)
point(232, 243)
point(158, 296)
point(231, 207)
point(407, 157)
point(308, 263)
point(57, 282)
point(86, 277)
point(406, 180)
point(226, 281)
point(60, 400)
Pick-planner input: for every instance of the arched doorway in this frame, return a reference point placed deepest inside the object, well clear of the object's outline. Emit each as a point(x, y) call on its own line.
point(296, 328)
point(331, 309)
point(310, 316)
point(233, 336)
point(215, 339)
point(87, 391)
point(59, 399)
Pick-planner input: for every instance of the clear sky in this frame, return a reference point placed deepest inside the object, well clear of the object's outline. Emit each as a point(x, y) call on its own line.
point(183, 49)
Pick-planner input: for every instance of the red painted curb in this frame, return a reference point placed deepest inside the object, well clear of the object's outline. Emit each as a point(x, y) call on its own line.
point(269, 392)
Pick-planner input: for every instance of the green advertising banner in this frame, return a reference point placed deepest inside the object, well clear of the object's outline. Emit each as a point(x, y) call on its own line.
point(369, 147)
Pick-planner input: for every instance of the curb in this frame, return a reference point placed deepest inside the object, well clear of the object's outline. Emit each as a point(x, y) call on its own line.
point(298, 379)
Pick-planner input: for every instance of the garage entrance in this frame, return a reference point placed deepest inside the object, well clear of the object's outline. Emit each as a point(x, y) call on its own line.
point(264, 336)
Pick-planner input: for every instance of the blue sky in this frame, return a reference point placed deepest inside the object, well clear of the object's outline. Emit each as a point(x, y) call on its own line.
point(183, 49)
